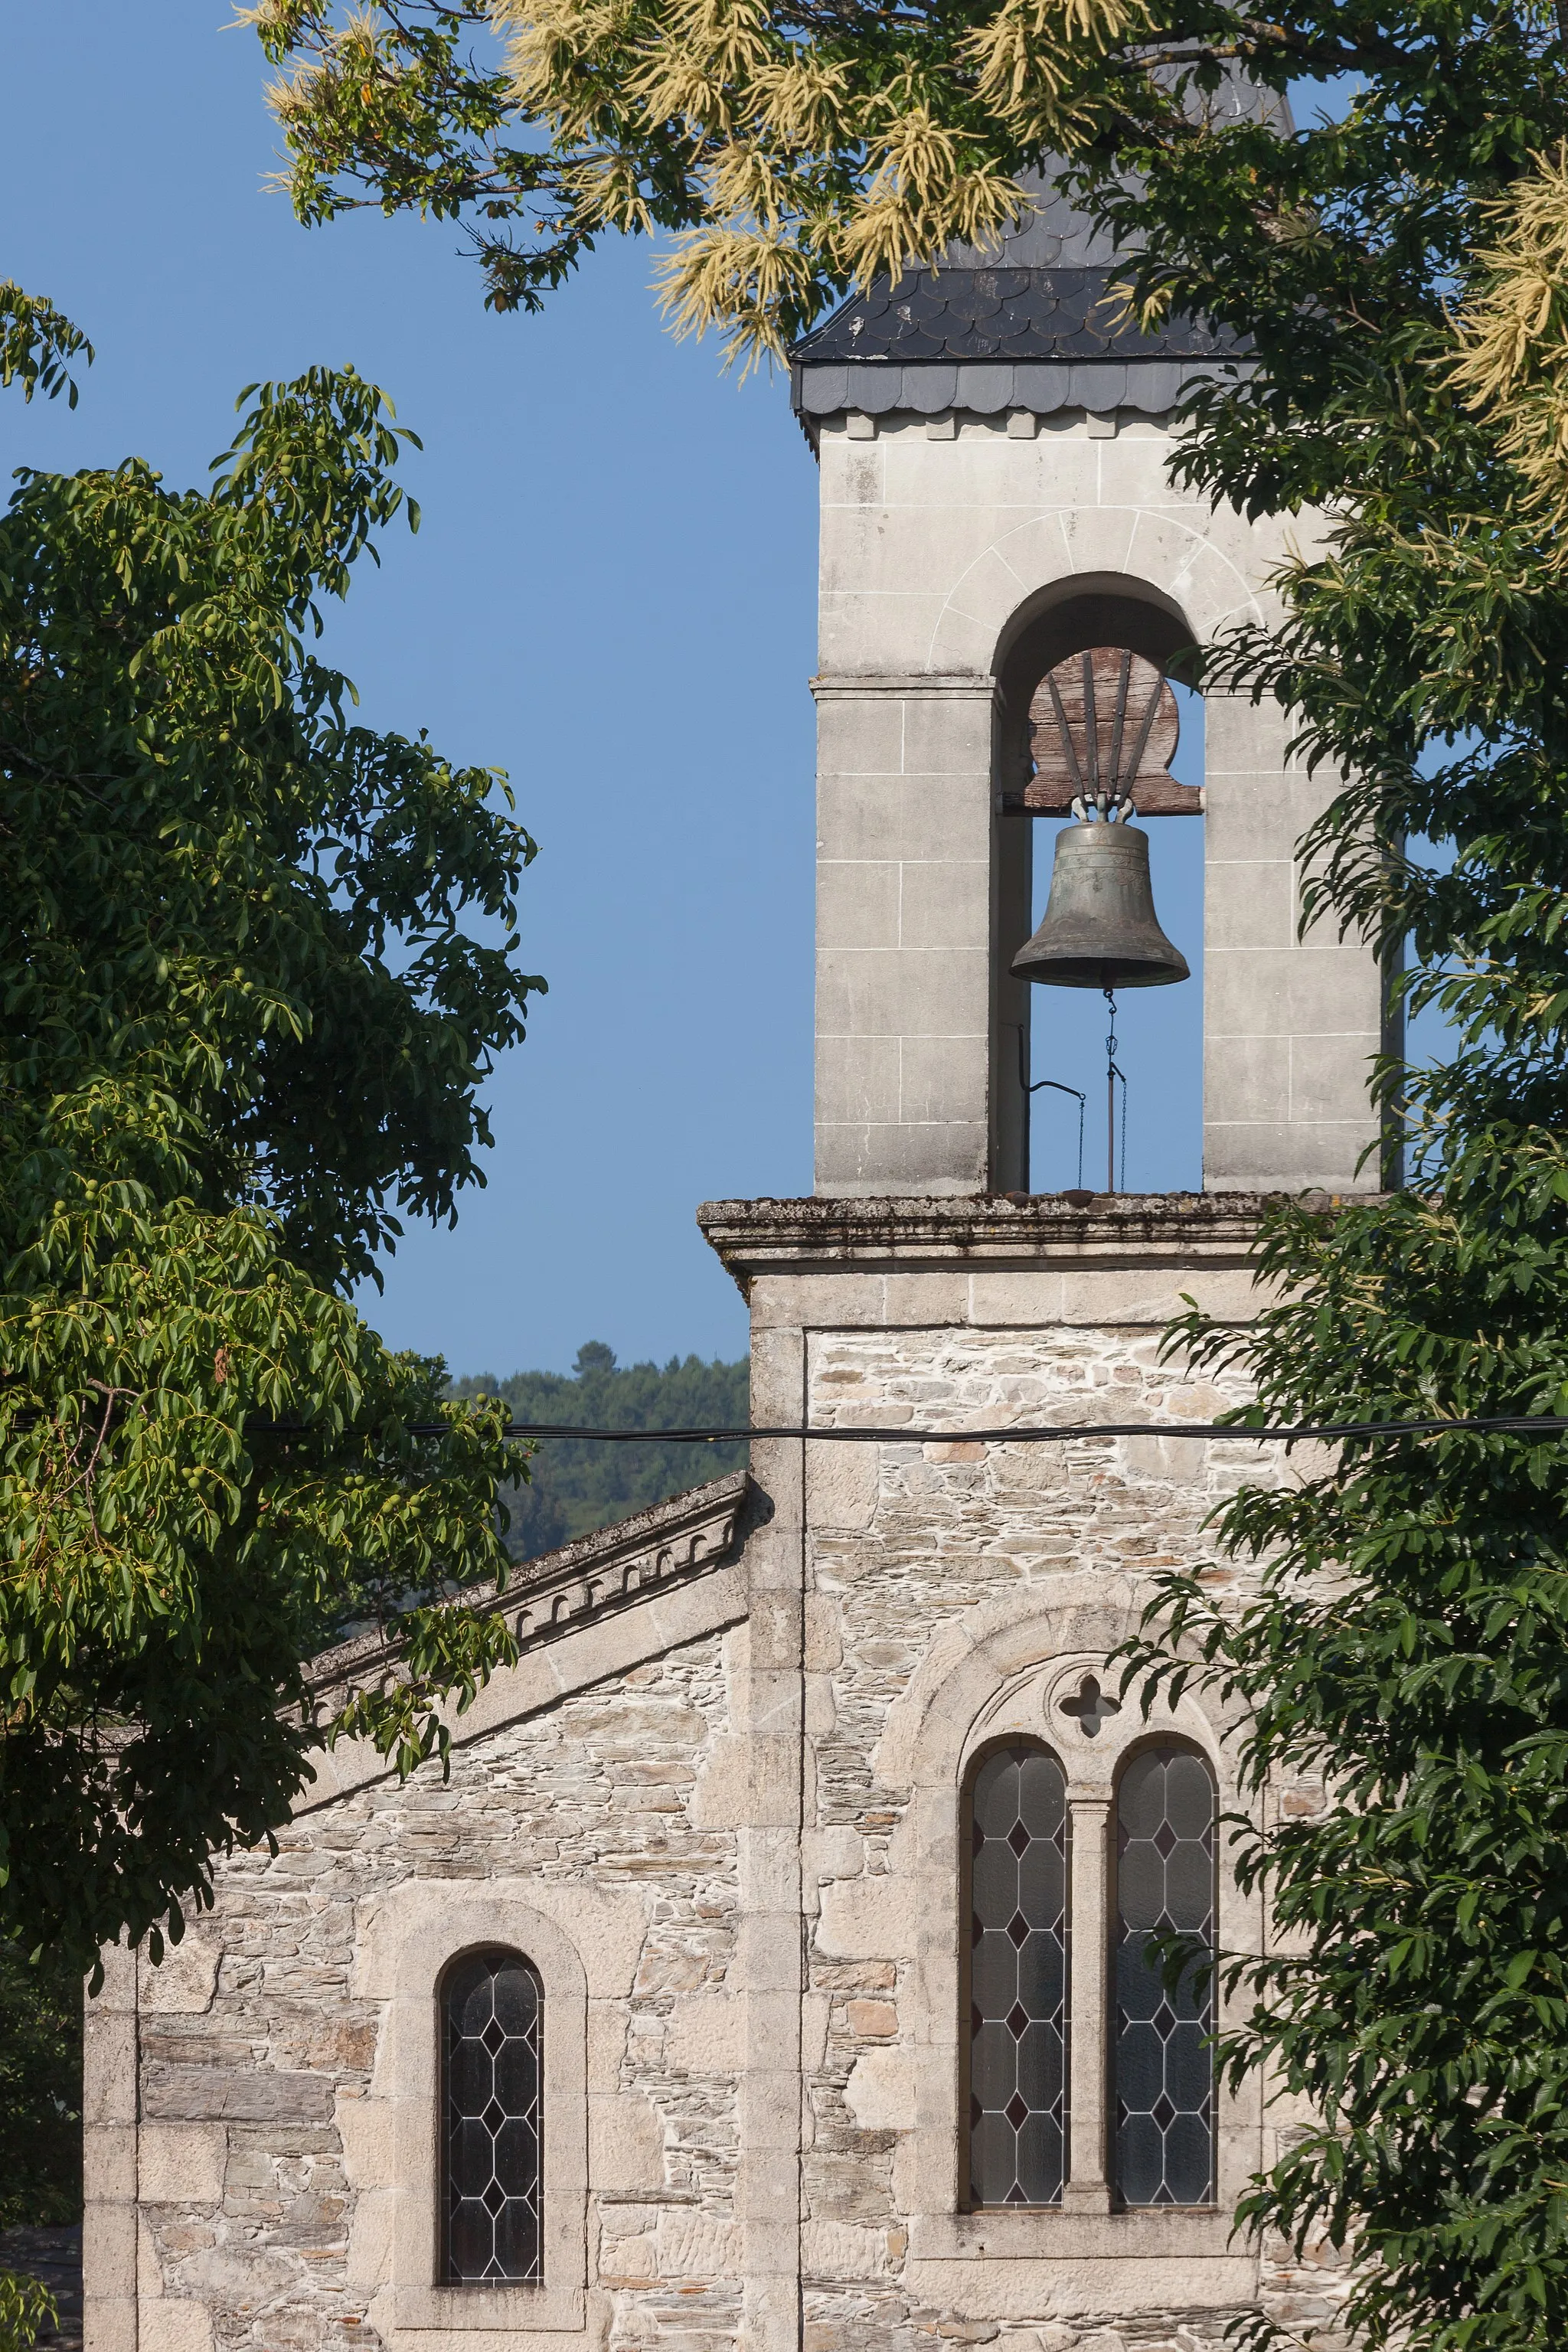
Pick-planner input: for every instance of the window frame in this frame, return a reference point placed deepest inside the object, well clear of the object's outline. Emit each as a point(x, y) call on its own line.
point(443, 2122)
point(1017, 1663)
point(1172, 1742)
point(971, 1772)
point(441, 1923)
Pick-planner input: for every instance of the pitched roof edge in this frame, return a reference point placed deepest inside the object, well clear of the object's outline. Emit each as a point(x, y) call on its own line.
point(562, 1590)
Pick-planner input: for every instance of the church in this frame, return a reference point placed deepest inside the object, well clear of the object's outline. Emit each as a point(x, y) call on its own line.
point(772, 1973)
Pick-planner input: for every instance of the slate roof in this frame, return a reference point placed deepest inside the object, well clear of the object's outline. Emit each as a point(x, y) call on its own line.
point(990, 314)
point(1030, 323)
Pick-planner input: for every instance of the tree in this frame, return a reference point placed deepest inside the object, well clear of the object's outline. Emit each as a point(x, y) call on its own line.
point(37, 342)
point(576, 1484)
point(1406, 1636)
point(40, 2089)
point(796, 147)
point(256, 960)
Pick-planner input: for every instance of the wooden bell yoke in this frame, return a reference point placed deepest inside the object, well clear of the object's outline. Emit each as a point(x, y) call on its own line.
point(1104, 723)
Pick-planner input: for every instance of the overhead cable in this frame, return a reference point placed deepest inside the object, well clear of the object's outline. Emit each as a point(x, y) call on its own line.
point(1008, 1433)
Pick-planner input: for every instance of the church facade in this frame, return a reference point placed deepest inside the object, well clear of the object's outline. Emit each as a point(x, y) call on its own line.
point(770, 1973)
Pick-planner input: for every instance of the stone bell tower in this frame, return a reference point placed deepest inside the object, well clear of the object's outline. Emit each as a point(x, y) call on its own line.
point(995, 498)
point(969, 2113)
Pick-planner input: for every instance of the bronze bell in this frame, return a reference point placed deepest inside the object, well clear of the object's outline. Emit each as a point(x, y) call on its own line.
point(1100, 929)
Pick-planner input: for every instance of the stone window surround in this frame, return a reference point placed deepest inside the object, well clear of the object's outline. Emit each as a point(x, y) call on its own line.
point(410, 2070)
point(1093, 1775)
point(1003, 1687)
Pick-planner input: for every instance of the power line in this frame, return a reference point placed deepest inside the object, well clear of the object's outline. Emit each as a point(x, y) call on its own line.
point(1060, 1434)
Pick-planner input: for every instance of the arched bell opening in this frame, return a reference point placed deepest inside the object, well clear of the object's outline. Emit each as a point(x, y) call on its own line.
point(1094, 718)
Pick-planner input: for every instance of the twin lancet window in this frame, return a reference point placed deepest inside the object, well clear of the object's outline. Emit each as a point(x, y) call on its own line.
point(1159, 2070)
point(493, 2018)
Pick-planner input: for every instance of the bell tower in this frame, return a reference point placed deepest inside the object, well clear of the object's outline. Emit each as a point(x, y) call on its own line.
point(960, 2099)
point(1000, 533)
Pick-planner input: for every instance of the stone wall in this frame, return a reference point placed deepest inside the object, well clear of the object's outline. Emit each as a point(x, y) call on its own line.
point(733, 1804)
point(260, 2054)
point(907, 1548)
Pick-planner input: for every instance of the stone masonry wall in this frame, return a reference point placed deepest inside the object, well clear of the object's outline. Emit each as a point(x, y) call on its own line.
point(903, 1540)
point(259, 2047)
point(265, 2051)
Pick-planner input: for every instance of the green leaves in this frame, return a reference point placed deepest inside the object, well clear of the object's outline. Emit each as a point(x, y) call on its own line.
point(1406, 1640)
point(1406, 1635)
point(393, 109)
point(25, 2308)
point(247, 1022)
point(797, 146)
point(35, 342)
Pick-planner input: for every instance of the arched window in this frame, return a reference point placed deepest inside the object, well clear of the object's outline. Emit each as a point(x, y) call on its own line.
point(1163, 2069)
point(492, 2014)
point(1017, 1978)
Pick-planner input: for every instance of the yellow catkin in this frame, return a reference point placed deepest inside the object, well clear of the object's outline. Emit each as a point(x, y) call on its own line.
point(763, 115)
point(1510, 339)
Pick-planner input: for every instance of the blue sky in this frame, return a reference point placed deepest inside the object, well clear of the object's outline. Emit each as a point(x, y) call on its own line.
point(612, 597)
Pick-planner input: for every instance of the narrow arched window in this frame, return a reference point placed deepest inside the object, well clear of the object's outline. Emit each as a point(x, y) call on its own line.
point(1018, 1979)
point(1163, 2067)
point(492, 2016)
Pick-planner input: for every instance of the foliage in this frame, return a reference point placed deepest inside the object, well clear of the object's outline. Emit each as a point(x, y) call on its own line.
point(1515, 345)
point(1406, 1637)
point(36, 341)
point(25, 2309)
point(797, 147)
point(794, 147)
point(244, 1031)
point(1407, 1644)
point(40, 2090)
point(575, 1486)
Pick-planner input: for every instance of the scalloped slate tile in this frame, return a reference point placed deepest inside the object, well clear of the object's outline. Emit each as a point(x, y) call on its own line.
point(1003, 314)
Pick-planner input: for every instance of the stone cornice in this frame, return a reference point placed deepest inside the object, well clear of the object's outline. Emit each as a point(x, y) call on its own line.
point(984, 1230)
point(563, 1591)
point(906, 686)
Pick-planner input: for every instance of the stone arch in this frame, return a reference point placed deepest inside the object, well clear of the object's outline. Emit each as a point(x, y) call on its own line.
point(1066, 617)
point(1156, 610)
point(1000, 1671)
point(1172, 555)
point(408, 1945)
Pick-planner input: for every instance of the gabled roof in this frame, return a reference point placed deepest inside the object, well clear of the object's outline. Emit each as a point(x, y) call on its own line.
point(582, 1615)
point(561, 1590)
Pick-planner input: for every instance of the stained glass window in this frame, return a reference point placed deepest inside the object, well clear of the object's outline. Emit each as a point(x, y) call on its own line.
point(1017, 1980)
point(1163, 2071)
point(492, 2021)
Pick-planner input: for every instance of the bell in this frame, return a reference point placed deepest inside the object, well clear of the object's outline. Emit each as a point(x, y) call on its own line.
point(1100, 929)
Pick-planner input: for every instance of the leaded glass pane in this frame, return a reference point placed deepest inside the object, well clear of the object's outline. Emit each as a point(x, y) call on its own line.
point(490, 2058)
point(1017, 1980)
point(1163, 2066)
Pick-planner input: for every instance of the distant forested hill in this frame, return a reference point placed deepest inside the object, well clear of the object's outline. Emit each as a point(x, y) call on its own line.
point(578, 1485)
